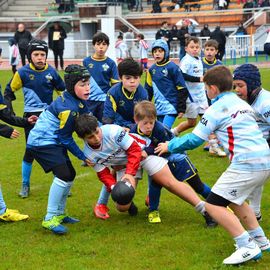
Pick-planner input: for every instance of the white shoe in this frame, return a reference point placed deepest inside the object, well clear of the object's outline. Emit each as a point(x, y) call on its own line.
point(244, 254)
point(263, 243)
point(216, 151)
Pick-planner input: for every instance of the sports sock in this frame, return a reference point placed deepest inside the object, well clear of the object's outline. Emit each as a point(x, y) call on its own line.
point(26, 173)
point(200, 207)
point(258, 232)
point(244, 240)
point(56, 194)
point(206, 190)
point(63, 201)
point(3, 206)
point(154, 195)
point(104, 196)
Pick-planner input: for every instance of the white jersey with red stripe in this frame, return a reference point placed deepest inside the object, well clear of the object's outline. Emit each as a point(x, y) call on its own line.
point(143, 49)
point(234, 123)
point(112, 151)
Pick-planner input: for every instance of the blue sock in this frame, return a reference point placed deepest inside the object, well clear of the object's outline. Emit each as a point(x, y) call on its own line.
point(154, 195)
point(3, 206)
point(258, 232)
point(104, 196)
point(57, 191)
point(244, 240)
point(26, 173)
point(63, 202)
point(206, 191)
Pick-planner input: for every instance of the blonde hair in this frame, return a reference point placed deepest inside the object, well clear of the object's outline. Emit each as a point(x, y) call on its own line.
point(145, 109)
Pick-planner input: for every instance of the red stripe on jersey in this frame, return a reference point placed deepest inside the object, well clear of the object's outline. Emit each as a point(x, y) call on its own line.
point(144, 44)
point(231, 141)
point(139, 140)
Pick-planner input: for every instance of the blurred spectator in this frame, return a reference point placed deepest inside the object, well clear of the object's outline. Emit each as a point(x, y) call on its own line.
point(22, 38)
point(182, 35)
point(56, 37)
point(143, 51)
point(265, 3)
point(0, 55)
point(121, 49)
point(13, 54)
point(240, 30)
point(139, 4)
point(249, 4)
point(174, 32)
point(131, 4)
point(267, 43)
point(220, 37)
point(65, 6)
point(164, 33)
point(205, 32)
point(156, 6)
point(222, 4)
point(128, 36)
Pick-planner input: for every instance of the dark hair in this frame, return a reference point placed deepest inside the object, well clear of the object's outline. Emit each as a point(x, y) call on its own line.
point(220, 76)
point(85, 124)
point(100, 37)
point(211, 43)
point(194, 39)
point(144, 109)
point(141, 36)
point(120, 37)
point(129, 67)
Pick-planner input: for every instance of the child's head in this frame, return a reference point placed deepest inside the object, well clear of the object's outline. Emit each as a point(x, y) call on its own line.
point(246, 80)
point(37, 52)
point(217, 79)
point(11, 41)
point(120, 37)
point(210, 49)
point(130, 74)
point(145, 115)
point(140, 36)
point(193, 46)
point(77, 81)
point(86, 127)
point(160, 51)
point(100, 43)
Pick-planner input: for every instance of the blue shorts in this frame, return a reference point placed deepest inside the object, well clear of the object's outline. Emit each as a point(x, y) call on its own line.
point(182, 170)
point(49, 156)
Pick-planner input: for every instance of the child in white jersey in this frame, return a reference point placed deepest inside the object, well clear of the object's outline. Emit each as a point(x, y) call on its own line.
point(234, 123)
point(143, 51)
point(247, 84)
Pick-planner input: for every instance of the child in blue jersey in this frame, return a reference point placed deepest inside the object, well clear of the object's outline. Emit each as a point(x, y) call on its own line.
point(8, 132)
point(103, 73)
point(51, 139)
point(111, 146)
point(38, 81)
point(179, 164)
point(234, 123)
point(247, 84)
point(165, 83)
point(119, 109)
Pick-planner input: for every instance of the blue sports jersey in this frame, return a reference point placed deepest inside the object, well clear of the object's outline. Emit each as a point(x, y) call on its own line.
point(55, 125)
point(166, 83)
point(261, 106)
point(159, 134)
point(207, 65)
point(234, 123)
point(38, 86)
point(103, 74)
point(119, 105)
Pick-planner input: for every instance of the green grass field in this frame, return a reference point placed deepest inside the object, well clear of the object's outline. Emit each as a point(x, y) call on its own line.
point(180, 242)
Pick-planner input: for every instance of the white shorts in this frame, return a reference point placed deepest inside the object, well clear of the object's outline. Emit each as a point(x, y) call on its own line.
point(193, 109)
point(152, 165)
point(236, 186)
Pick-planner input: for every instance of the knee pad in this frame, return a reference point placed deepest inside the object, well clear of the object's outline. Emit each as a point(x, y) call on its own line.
point(65, 172)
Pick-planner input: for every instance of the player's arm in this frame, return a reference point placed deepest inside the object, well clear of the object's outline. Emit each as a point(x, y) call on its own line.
point(59, 84)
point(109, 111)
point(106, 178)
point(65, 134)
point(119, 120)
point(6, 131)
point(115, 77)
point(149, 86)
point(16, 82)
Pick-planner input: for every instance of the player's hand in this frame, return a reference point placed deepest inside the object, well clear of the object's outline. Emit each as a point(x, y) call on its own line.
point(15, 134)
point(180, 115)
point(89, 163)
point(144, 155)
point(32, 119)
point(130, 178)
point(162, 148)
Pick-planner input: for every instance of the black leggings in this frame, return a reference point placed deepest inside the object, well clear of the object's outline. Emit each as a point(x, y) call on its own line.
point(56, 53)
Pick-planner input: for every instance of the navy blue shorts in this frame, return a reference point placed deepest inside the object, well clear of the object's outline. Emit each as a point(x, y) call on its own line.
point(182, 170)
point(49, 156)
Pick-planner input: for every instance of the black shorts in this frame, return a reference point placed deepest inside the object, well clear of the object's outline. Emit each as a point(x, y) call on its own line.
point(49, 156)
